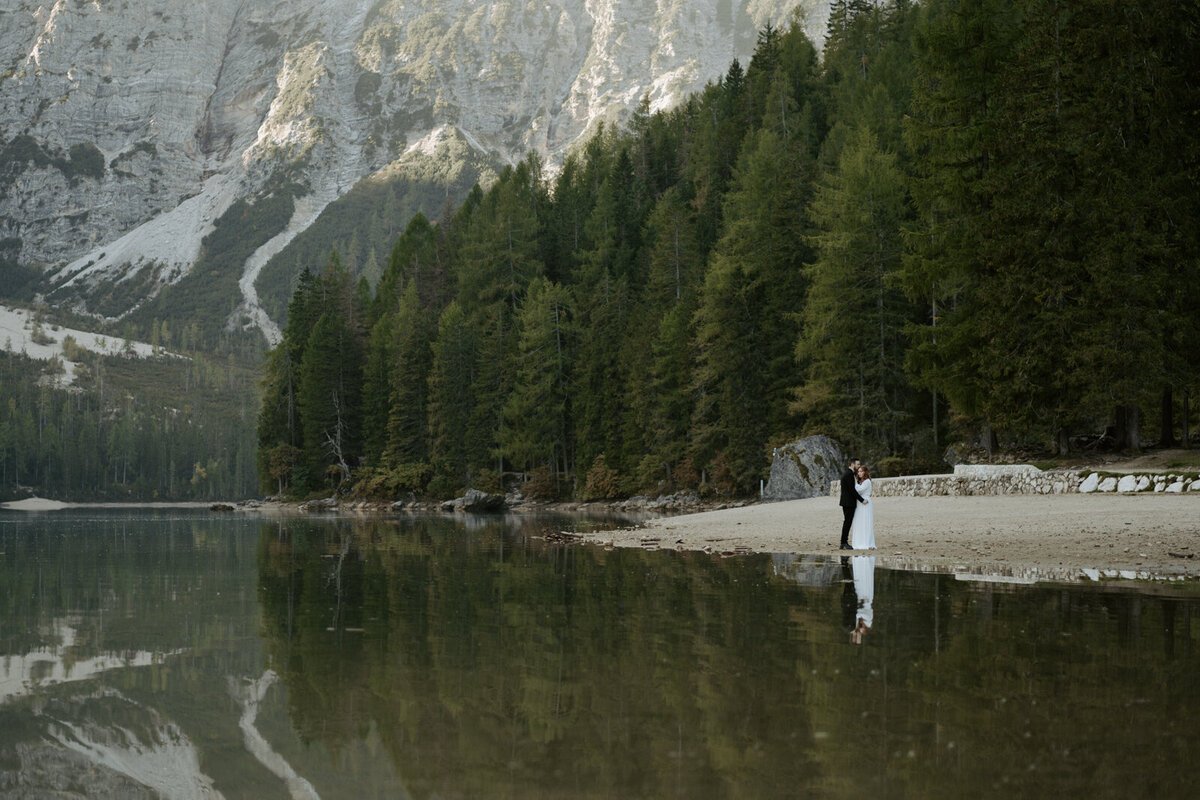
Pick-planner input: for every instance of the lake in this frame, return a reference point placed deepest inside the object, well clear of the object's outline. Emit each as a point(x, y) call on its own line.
point(184, 654)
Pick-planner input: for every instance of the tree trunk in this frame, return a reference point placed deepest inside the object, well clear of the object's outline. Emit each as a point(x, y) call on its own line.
point(1167, 437)
point(1064, 442)
point(1187, 434)
point(989, 439)
point(1129, 428)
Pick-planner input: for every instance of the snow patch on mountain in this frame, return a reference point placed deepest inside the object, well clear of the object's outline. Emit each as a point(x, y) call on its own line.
point(20, 332)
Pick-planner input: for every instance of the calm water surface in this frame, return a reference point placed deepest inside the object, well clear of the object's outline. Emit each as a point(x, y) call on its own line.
point(183, 654)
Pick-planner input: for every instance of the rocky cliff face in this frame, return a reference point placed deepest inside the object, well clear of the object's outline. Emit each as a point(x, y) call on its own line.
point(127, 127)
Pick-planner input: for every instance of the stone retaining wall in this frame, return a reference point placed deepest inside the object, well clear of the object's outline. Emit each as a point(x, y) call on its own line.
point(1024, 479)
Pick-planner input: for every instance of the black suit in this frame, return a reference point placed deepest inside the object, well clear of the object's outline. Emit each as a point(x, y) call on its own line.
point(849, 597)
point(850, 499)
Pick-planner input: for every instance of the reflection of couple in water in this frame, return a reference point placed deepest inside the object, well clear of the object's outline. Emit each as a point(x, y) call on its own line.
point(858, 596)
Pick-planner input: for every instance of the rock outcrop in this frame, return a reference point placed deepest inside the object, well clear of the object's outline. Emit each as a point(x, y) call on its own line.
point(804, 468)
point(475, 502)
point(127, 128)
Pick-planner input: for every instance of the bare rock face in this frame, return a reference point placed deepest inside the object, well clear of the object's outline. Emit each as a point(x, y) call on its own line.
point(476, 502)
point(127, 127)
point(804, 468)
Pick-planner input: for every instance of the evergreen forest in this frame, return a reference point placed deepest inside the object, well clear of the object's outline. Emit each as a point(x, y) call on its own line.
point(171, 428)
point(968, 223)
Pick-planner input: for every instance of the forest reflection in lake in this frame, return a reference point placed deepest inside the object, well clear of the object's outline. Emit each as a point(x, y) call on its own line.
point(198, 655)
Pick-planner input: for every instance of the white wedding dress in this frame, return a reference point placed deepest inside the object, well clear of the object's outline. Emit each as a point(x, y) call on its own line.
point(864, 587)
point(862, 531)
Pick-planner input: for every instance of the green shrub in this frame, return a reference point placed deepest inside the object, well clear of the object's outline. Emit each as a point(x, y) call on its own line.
point(542, 485)
point(685, 476)
point(443, 488)
point(86, 160)
point(487, 481)
point(39, 336)
point(890, 467)
point(73, 350)
point(602, 482)
point(653, 477)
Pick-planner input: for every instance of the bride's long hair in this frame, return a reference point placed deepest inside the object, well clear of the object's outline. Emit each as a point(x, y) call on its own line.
point(863, 473)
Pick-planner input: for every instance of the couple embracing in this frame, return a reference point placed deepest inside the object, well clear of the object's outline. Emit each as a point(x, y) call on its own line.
point(858, 525)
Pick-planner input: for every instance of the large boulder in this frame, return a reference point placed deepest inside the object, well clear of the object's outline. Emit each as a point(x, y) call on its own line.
point(804, 468)
point(476, 502)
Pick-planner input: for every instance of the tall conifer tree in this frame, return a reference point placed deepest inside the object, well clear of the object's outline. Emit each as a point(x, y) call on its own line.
point(535, 431)
point(961, 49)
point(852, 340)
point(745, 324)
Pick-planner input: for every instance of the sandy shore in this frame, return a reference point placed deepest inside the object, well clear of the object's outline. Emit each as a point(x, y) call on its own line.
point(43, 504)
point(1063, 536)
point(1020, 536)
point(34, 504)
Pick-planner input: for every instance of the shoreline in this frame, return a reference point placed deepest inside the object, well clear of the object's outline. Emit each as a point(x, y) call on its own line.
point(1007, 538)
point(1015, 536)
point(38, 504)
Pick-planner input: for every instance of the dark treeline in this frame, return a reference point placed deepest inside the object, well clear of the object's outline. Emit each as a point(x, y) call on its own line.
point(959, 221)
point(170, 428)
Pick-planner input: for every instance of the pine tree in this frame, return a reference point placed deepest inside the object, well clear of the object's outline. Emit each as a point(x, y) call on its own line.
point(745, 324)
point(852, 338)
point(279, 422)
point(451, 398)
point(535, 413)
point(413, 328)
point(376, 389)
point(615, 225)
point(1079, 264)
point(961, 50)
point(330, 383)
point(599, 378)
point(498, 256)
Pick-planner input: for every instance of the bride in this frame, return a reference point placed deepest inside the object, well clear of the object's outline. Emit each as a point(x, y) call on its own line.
point(862, 532)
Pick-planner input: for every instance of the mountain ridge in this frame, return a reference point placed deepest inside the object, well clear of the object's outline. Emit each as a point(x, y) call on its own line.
point(146, 123)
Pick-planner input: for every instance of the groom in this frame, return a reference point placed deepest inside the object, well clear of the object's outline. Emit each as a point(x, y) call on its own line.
point(850, 496)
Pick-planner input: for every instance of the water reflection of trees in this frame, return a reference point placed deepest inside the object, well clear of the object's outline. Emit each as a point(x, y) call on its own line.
point(123, 582)
point(1051, 691)
point(493, 666)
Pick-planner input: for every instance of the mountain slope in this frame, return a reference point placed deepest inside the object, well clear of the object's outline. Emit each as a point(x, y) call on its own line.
point(129, 130)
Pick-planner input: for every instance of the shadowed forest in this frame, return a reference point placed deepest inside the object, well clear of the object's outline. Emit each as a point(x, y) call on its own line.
point(954, 223)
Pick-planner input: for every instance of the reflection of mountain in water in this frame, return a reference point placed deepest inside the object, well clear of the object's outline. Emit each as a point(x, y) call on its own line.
point(249, 695)
point(417, 658)
point(116, 637)
point(24, 674)
point(101, 743)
